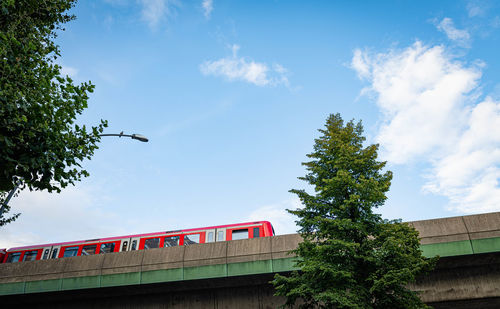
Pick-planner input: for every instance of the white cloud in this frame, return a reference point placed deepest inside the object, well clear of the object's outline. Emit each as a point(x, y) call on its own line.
point(496, 91)
point(240, 68)
point(208, 6)
point(421, 92)
point(447, 27)
point(70, 71)
point(428, 101)
point(283, 222)
point(361, 63)
point(469, 174)
point(155, 11)
point(476, 8)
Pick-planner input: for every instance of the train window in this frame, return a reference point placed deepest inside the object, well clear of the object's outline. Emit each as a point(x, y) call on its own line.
point(191, 239)
point(152, 243)
point(171, 241)
point(13, 257)
point(134, 245)
point(89, 250)
point(240, 234)
point(70, 251)
point(107, 248)
point(124, 247)
point(54, 254)
point(46, 254)
point(220, 236)
point(30, 255)
point(256, 232)
point(210, 237)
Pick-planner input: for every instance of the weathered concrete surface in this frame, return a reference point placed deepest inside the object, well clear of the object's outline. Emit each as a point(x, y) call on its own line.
point(466, 280)
point(235, 274)
point(458, 228)
point(252, 291)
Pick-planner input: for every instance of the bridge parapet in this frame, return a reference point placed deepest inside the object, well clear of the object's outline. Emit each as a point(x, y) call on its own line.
point(224, 259)
point(462, 235)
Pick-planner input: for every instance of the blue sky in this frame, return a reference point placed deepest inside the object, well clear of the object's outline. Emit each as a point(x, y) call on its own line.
point(231, 94)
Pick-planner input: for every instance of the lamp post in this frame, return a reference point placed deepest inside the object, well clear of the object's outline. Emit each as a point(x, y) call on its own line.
point(138, 137)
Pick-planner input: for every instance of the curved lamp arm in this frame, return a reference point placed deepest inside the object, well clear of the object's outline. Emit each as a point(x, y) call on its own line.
point(138, 137)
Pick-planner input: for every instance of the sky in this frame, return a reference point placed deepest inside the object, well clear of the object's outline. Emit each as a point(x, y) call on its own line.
point(231, 95)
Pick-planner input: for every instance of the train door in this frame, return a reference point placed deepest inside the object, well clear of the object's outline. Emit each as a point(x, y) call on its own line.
point(54, 253)
point(210, 236)
point(45, 253)
point(220, 234)
point(125, 245)
point(134, 244)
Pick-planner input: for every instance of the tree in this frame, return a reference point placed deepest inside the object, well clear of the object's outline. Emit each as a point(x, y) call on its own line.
point(350, 257)
point(40, 143)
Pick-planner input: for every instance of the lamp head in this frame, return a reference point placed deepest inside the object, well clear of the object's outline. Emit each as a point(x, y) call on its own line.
point(140, 137)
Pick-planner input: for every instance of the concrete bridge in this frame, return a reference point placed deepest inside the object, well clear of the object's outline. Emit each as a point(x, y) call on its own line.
point(236, 274)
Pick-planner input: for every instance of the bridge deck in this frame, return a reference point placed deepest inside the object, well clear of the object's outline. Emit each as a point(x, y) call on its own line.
point(447, 237)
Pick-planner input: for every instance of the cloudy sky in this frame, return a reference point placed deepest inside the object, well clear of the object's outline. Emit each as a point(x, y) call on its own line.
point(231, 94)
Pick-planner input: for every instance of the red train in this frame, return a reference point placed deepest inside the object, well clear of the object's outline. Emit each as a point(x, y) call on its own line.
point(138, 242)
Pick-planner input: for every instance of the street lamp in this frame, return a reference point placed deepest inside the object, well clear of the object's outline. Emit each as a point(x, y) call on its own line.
point(138, 137)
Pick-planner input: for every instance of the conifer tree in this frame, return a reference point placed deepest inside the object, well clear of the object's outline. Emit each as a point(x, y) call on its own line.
point(350, 257)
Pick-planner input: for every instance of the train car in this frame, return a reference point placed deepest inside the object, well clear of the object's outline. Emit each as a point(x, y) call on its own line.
point(139, 242)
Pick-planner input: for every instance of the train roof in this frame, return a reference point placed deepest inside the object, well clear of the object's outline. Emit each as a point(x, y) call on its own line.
point(134, 235)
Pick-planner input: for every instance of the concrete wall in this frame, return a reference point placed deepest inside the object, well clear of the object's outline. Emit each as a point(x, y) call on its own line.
point(460, 235)
point(462, 279)
point(215, 260)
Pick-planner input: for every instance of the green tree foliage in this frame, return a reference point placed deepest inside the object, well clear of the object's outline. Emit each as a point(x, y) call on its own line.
point(350, 257)
point(40, 142)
